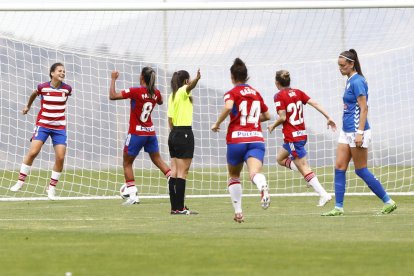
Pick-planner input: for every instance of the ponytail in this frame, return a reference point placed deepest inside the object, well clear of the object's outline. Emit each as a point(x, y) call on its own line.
point(352, 56)
point(148, 75)
point(174, 84)
point(178, 79)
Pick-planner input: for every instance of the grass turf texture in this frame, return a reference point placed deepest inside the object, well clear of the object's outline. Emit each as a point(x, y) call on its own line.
point(100, 237)
point(200, 181)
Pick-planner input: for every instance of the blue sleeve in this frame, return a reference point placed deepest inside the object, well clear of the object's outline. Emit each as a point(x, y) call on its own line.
point(360, 88)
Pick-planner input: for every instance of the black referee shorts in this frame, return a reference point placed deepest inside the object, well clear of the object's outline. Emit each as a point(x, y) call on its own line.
point(181, 142)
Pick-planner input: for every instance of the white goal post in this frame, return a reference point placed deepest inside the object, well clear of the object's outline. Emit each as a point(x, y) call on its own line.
point(92, 38)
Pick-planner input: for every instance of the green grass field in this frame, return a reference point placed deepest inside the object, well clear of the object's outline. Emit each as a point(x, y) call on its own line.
point(101, 237)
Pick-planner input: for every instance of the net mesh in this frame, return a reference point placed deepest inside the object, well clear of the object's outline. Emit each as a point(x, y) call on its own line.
point(305, 42)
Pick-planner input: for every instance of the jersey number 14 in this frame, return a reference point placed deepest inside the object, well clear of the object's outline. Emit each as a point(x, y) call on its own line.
point(252, 116)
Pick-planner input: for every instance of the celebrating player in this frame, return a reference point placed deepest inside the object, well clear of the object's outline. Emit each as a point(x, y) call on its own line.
point(355, 136)
point(245, 141)
point(141, 133)
point(181, 138)
point(289, 106)
point(51, 121)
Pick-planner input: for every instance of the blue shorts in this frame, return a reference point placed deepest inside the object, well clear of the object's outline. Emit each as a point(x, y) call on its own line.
point(296, 149)
point(239, 153)
point(134, 144)
point(58, 136)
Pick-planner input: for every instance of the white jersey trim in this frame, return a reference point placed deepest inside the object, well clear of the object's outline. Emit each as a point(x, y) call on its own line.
point(54, 107)
point(246, 134)
point(54, 98)
point(52, 115)
point(299, 133)
point(52, 123)
point(145, 129)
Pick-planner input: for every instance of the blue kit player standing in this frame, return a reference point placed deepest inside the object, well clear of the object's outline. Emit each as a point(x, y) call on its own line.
point(355, 136)
point(245, 142)
point(51, 121)
point(141, 133)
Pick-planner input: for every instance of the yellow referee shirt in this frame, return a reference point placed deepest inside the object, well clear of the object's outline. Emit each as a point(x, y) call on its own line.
point(181, 109)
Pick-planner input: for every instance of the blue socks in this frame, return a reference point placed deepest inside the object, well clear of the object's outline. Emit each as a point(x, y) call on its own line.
point(340, 180)
point(372, 183)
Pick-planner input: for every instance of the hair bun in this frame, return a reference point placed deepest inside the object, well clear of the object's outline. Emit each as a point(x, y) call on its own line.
point(238, 61)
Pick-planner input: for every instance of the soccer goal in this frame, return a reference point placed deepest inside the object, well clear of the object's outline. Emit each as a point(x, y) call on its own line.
point(305, 37)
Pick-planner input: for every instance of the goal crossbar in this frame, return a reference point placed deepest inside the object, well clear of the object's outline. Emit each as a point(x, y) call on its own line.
point(128, 6)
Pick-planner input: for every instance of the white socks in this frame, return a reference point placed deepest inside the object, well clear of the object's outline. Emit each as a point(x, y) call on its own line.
point(314, 182)
point(235, 190)
point(260, 181)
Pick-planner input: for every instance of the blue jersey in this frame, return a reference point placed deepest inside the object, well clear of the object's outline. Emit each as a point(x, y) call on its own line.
point(356, 86)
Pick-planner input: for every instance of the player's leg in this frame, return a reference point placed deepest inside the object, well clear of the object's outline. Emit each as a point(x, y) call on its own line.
point(151, 147)
point(343, 156)
point(59, 138)
point(235, 161)
point(283, 159)
point(60, 151)
point(37, 141)
point(173, 177)
point(254, 159)
point(133, 145)
point(312, 180)
point(360, 158)
point(183, 146)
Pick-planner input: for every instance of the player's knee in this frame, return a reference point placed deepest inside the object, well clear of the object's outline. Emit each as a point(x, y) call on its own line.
point(281, 161)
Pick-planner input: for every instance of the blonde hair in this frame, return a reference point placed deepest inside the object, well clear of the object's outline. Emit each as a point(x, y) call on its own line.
point(283, 77)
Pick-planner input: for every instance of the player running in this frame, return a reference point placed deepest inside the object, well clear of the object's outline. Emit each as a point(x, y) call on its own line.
point(141, 133)
point(289, 106)
point(51, 121)
point(244, 139)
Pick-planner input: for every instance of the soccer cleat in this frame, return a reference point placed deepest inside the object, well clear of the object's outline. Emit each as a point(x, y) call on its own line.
point(131, 201)
point(51, 192)
point(388, 208)
point(16, 187)
point(238, 217)
point(324, 199)
point(184, 211)
point(265, 198)
point(131, 196)
point(334, 212)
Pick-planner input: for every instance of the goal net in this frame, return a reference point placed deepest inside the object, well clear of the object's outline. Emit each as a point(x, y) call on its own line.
point(305, 41)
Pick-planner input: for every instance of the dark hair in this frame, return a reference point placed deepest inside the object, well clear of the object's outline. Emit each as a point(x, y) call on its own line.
point(53, 68)
point(283, 77)
point(178, 79)
point(148, 74)
point(239, 71)
point(352, 56)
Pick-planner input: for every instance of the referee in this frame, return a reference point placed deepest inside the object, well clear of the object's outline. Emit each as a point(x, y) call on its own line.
point(181, 138)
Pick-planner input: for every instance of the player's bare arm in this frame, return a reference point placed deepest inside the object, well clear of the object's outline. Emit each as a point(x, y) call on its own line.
point(317, 106)
point(279, 121)
point(224, 113)
point(265, 116)
point(194, 82)
point(30, 102)
point(113, 95)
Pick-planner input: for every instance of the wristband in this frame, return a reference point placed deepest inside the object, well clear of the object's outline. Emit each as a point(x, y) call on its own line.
point(360, 132)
